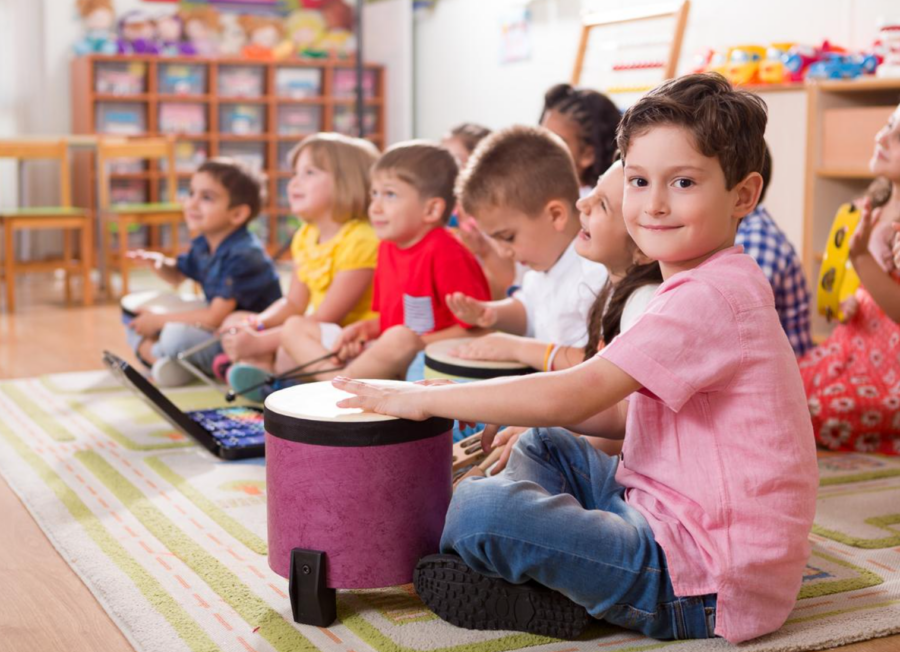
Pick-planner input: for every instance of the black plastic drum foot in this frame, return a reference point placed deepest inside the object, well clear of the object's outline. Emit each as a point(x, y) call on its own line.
point(312, 602)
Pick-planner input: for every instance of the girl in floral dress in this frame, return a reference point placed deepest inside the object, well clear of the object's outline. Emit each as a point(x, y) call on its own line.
point(852, 380)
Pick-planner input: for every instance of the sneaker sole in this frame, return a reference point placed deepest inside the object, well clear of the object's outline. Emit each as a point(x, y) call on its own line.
point(467, 599)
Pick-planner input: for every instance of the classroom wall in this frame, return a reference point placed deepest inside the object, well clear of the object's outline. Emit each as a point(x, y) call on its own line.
point(459, 77)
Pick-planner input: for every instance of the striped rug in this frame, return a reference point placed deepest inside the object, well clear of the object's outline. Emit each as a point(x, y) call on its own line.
point(172, 541)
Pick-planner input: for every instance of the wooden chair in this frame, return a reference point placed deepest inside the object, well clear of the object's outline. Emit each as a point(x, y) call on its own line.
point(38, 218)
point(121, 217)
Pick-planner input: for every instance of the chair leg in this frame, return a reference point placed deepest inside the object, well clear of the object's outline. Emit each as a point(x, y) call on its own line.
point(67, 263)
point(10, 267)
point(87, 256)
point(123, 260)
point(106, 227)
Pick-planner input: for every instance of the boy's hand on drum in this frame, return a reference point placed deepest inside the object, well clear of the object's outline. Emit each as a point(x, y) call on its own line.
point(143, 257)
point(471, 311)
point(147, 324)
point(396, 401)
point(499, 347)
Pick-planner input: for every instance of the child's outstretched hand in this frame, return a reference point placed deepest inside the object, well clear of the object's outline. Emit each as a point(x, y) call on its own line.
point(506, 438)
point(147, 324)
point(474, 238)
point(471, 311)
point(859, 242)
point(895, 246)
point(500, 347)
point(397, 401)
point(147, 258)
point(849, 308)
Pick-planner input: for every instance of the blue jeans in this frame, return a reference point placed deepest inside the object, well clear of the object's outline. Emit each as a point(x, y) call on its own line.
point(175, 338)
point(557, 515)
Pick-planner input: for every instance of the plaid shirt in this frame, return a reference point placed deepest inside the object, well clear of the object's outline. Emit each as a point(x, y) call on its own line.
point(762, 239)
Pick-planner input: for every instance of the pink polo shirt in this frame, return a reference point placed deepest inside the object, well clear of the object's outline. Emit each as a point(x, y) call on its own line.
point(719, 454)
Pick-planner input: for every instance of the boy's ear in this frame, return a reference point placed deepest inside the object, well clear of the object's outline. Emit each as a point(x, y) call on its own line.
point(434, 210)
point(559, 214)
point(748, 192)
point(239, 214)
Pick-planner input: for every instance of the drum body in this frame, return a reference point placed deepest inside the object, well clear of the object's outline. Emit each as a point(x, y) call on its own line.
point(439, 363)
point(371, 492)
point(163, 303)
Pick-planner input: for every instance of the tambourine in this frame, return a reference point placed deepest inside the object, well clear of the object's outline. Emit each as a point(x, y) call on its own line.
point(837, 278)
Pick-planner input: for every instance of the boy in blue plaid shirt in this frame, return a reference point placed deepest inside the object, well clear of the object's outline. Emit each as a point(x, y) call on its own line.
point(768, 245)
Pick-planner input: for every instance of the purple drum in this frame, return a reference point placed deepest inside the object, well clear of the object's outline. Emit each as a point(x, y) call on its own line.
point(354, 498)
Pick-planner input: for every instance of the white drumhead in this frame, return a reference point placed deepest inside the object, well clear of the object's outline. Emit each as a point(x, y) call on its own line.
point(318, 402)
point(161, 303)
point(440, 352)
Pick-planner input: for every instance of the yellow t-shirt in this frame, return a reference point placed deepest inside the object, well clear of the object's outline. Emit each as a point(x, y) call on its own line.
point(355, 246)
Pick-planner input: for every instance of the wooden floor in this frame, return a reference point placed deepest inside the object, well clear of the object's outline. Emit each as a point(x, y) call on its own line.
point(45, 606)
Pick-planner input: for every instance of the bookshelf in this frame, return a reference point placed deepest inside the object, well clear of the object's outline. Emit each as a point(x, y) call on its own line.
point(252, 110)
point(842, 120)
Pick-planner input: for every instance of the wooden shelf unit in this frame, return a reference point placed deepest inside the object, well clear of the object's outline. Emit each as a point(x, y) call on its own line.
point(272, 223)
point(842, 120)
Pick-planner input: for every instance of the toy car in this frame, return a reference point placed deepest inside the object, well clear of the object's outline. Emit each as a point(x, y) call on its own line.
point(843, 66)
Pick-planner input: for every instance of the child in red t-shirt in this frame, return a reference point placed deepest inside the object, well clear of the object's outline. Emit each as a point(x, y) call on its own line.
point(419, 264)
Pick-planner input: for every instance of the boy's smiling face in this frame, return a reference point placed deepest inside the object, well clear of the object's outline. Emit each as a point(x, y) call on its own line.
point(398, 213)
point(676, 204)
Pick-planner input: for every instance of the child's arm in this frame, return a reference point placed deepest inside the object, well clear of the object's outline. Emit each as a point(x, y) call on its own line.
point(165, 268)
point(559, 399)
point(149, 324)
point(537, 355)
point(295, 303)
point(507, 315)
point(874, 279)
point(344, 293)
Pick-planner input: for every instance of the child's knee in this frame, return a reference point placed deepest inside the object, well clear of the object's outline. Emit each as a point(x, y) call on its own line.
point(478, 509)
point(300, 328)
point(236, 318)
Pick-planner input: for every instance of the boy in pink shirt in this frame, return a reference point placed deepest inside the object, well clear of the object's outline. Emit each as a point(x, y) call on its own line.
point(700, 528)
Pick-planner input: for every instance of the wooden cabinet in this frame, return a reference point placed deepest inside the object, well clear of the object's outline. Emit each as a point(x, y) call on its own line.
point(842, 120)
point(251, 110)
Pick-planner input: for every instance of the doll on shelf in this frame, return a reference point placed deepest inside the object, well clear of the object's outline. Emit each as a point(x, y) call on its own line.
point(305, 29)
point(202, 28)
point(170, 37)
point(137, 34)
point(98, 19)
point(263, 36)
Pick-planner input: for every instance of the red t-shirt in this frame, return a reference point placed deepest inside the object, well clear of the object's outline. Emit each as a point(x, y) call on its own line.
point(410, 284)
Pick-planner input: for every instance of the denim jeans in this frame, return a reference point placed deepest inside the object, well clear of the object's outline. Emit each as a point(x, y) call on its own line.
point(557, 515)
point(175, 338)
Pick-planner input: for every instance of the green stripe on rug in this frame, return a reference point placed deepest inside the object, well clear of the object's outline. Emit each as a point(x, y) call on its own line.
point(282, 635)
point(46, 422)
point(859, 477)
point(180, 621)
point(351, 618)
point(121, 439)
point(838, 612)
point(865, 579)
point(881, 522)
point(227, 523)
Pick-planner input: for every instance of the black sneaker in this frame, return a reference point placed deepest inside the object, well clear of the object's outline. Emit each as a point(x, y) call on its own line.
point(467, 599)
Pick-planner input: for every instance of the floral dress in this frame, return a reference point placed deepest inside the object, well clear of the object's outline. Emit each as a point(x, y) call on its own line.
point(852, 382)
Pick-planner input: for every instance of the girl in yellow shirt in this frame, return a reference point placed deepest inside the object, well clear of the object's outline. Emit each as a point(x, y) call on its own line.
point(334, 255)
